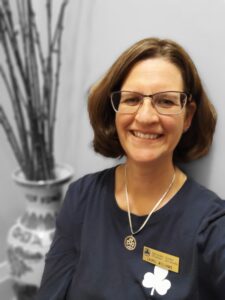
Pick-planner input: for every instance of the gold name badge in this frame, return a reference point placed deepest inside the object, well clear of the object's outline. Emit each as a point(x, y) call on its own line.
point(161, 259)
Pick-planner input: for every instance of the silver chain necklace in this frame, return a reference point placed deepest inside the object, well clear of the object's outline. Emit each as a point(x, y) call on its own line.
point(130, 242)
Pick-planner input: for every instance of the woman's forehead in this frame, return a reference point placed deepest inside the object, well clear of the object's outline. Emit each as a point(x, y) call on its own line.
point(155, 73)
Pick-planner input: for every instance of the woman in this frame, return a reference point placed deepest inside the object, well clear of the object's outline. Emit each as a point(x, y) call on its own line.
point(143, 229)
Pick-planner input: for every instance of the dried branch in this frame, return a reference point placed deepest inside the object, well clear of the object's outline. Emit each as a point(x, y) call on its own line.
point(22, 15)
point(33, 99)
point(57, 38)
point(16, 104)
point(12, 35)
point(12, 139)
point(47, 88)
point(39, 48)
point(7, 84)
point(49, 57)
point(59, 22)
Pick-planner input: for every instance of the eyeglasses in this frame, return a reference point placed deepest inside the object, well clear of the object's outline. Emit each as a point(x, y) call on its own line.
point(165, 103)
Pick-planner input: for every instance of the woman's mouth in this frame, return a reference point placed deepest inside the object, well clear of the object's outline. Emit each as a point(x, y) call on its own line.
point(147, 136)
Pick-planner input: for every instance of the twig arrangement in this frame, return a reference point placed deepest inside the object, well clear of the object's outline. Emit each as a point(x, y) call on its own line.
point(32, 82)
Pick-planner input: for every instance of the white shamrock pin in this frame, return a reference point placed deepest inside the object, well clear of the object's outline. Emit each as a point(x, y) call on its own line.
point(157, 281)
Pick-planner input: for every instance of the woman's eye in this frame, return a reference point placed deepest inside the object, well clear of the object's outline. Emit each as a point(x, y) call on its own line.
point(131, 101)
point(166, 102)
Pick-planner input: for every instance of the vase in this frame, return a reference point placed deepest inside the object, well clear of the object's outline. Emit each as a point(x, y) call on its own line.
point(30, 237)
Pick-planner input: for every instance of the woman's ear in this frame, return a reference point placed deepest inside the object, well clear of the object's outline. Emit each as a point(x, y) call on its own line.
point(190, 111)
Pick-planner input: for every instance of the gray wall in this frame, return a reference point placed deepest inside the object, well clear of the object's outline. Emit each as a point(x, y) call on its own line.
point(95, 33)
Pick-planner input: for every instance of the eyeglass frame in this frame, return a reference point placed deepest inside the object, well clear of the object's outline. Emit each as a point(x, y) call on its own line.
point(187, 100)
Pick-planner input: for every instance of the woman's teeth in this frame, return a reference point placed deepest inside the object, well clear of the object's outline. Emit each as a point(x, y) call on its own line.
point(146, 135)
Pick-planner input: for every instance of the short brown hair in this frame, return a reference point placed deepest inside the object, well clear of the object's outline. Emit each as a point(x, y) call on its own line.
point(193, 144)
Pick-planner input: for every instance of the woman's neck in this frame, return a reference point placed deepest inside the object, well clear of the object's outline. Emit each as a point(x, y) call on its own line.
point(146, 184)
point(149, 177)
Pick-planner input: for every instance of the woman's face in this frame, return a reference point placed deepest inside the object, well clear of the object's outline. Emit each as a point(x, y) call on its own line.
point(147, 136)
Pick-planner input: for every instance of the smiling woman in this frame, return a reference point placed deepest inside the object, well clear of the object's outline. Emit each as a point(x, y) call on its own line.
point(143, 229)
point(152, 132)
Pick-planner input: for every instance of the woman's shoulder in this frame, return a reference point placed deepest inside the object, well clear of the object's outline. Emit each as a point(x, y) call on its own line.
point(89, 185)
point(91, 180)
point(83, 191)
point(203, 202)
point(201, 193)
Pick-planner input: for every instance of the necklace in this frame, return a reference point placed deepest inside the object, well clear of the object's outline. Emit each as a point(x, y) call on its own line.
point(130, 242)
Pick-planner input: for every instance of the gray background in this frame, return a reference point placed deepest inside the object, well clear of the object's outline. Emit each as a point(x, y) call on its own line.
point(95, 33)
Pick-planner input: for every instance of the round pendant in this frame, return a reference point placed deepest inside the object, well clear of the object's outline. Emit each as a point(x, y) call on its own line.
point(130, 242)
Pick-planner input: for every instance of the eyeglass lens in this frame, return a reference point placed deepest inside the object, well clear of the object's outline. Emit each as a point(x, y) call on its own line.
point(164, 102)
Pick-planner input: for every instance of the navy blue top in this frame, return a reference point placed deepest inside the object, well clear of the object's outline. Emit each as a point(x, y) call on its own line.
point(88, 260)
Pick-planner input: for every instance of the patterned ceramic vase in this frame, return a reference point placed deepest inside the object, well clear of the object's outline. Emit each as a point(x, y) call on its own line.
point(30, 237)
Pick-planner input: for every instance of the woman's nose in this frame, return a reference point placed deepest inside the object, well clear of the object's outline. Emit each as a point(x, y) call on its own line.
point(146, 112)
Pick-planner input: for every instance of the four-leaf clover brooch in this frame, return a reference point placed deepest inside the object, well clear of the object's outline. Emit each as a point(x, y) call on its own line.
point(157, 282)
